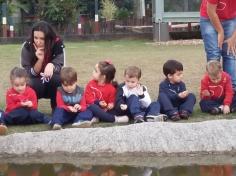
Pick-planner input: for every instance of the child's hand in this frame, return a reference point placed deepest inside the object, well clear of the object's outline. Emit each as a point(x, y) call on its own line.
point(226, 109)
point(206, 93)
point(110, 106)
point(72, 109)
point(183, 94)
point(123, 107)
point(103, 104)
point(140, 90)
point(27, 103)
point(77, 107)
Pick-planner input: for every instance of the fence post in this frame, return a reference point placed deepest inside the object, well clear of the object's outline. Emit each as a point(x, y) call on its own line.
point(96, 24)
point(4, 19)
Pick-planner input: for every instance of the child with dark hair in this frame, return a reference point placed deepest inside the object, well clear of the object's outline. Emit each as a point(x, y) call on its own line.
point(217, 95)
point(100, 93)
point(176, 102)
point(71, 107)
point(134, 100)
point(21, 102)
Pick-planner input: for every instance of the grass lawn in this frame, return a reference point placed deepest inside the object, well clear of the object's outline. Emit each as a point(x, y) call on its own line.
point(143, 53)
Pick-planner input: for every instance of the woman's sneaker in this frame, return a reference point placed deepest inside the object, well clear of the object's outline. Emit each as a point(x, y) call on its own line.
point(156, 118)
point(57, 127)
point(3, 129)
point(82, 124)
point(121, 119)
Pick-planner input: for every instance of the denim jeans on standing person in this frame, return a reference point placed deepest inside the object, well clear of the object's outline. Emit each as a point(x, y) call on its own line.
point(210, 39)
point(61, 116)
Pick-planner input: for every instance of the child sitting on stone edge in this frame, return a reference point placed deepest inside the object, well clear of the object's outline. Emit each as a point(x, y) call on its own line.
point(71, 106)
point(176, 102)
point(21, 102)
point(217, 95)
point(134, 100)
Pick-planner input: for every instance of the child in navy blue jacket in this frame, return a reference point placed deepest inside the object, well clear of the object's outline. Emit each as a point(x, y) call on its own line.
point(176, 102)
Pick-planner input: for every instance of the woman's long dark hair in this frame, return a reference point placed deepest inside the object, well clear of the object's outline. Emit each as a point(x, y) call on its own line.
point(49, 34)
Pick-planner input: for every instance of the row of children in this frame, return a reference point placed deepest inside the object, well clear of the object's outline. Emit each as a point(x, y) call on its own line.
point(104, 100)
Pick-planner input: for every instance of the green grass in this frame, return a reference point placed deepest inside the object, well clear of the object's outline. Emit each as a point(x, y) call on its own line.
point(143, 53)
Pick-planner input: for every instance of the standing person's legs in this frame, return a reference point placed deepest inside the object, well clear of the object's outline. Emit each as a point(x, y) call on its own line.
point(51, 89)
point(229, 62)
point(210, 39)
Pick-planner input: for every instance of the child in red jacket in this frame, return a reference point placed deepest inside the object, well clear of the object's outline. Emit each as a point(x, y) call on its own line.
point(71, 106)
point(21, 102)
point(217, 95)
point(100, 93)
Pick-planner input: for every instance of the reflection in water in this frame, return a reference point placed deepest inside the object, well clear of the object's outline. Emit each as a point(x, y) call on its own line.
point(88, 170)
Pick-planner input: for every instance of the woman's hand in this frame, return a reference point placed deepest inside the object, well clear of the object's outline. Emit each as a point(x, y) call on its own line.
point(39, 53)
point(48, 71)
point(231, 44)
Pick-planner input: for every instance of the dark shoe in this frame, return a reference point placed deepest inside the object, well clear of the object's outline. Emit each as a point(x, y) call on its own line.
point(215, 111)
point(233, 109)
point(184, 114)
point(138, 119)
point(175, 117)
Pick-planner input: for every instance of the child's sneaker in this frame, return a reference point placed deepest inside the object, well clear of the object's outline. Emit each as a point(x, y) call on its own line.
point(175, 116)
point(121, 119)
point(3, 129)
point(138, 119)
point(215, 111)
point(94, 120)
point(184, 114)
point(156, 118)
point(82, 124)
point(56, 127)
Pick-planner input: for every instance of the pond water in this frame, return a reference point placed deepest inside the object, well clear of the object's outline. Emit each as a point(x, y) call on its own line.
point(108, 170)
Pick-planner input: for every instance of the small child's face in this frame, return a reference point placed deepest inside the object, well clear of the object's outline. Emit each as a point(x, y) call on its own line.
point(69, 88)
point(96, 72)
point(131, 82)
point(215, 79)
point(176, 77)
point(19, 84)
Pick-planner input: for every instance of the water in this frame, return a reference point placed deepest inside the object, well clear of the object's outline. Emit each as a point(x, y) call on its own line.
point(108, 170)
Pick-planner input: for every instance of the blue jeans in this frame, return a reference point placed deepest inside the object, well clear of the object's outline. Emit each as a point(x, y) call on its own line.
point(208, 105)
point(25, 116)
point(61, 116)
point(210, 39)
point(169, 107)
point(98, 112)
point(135, 108)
